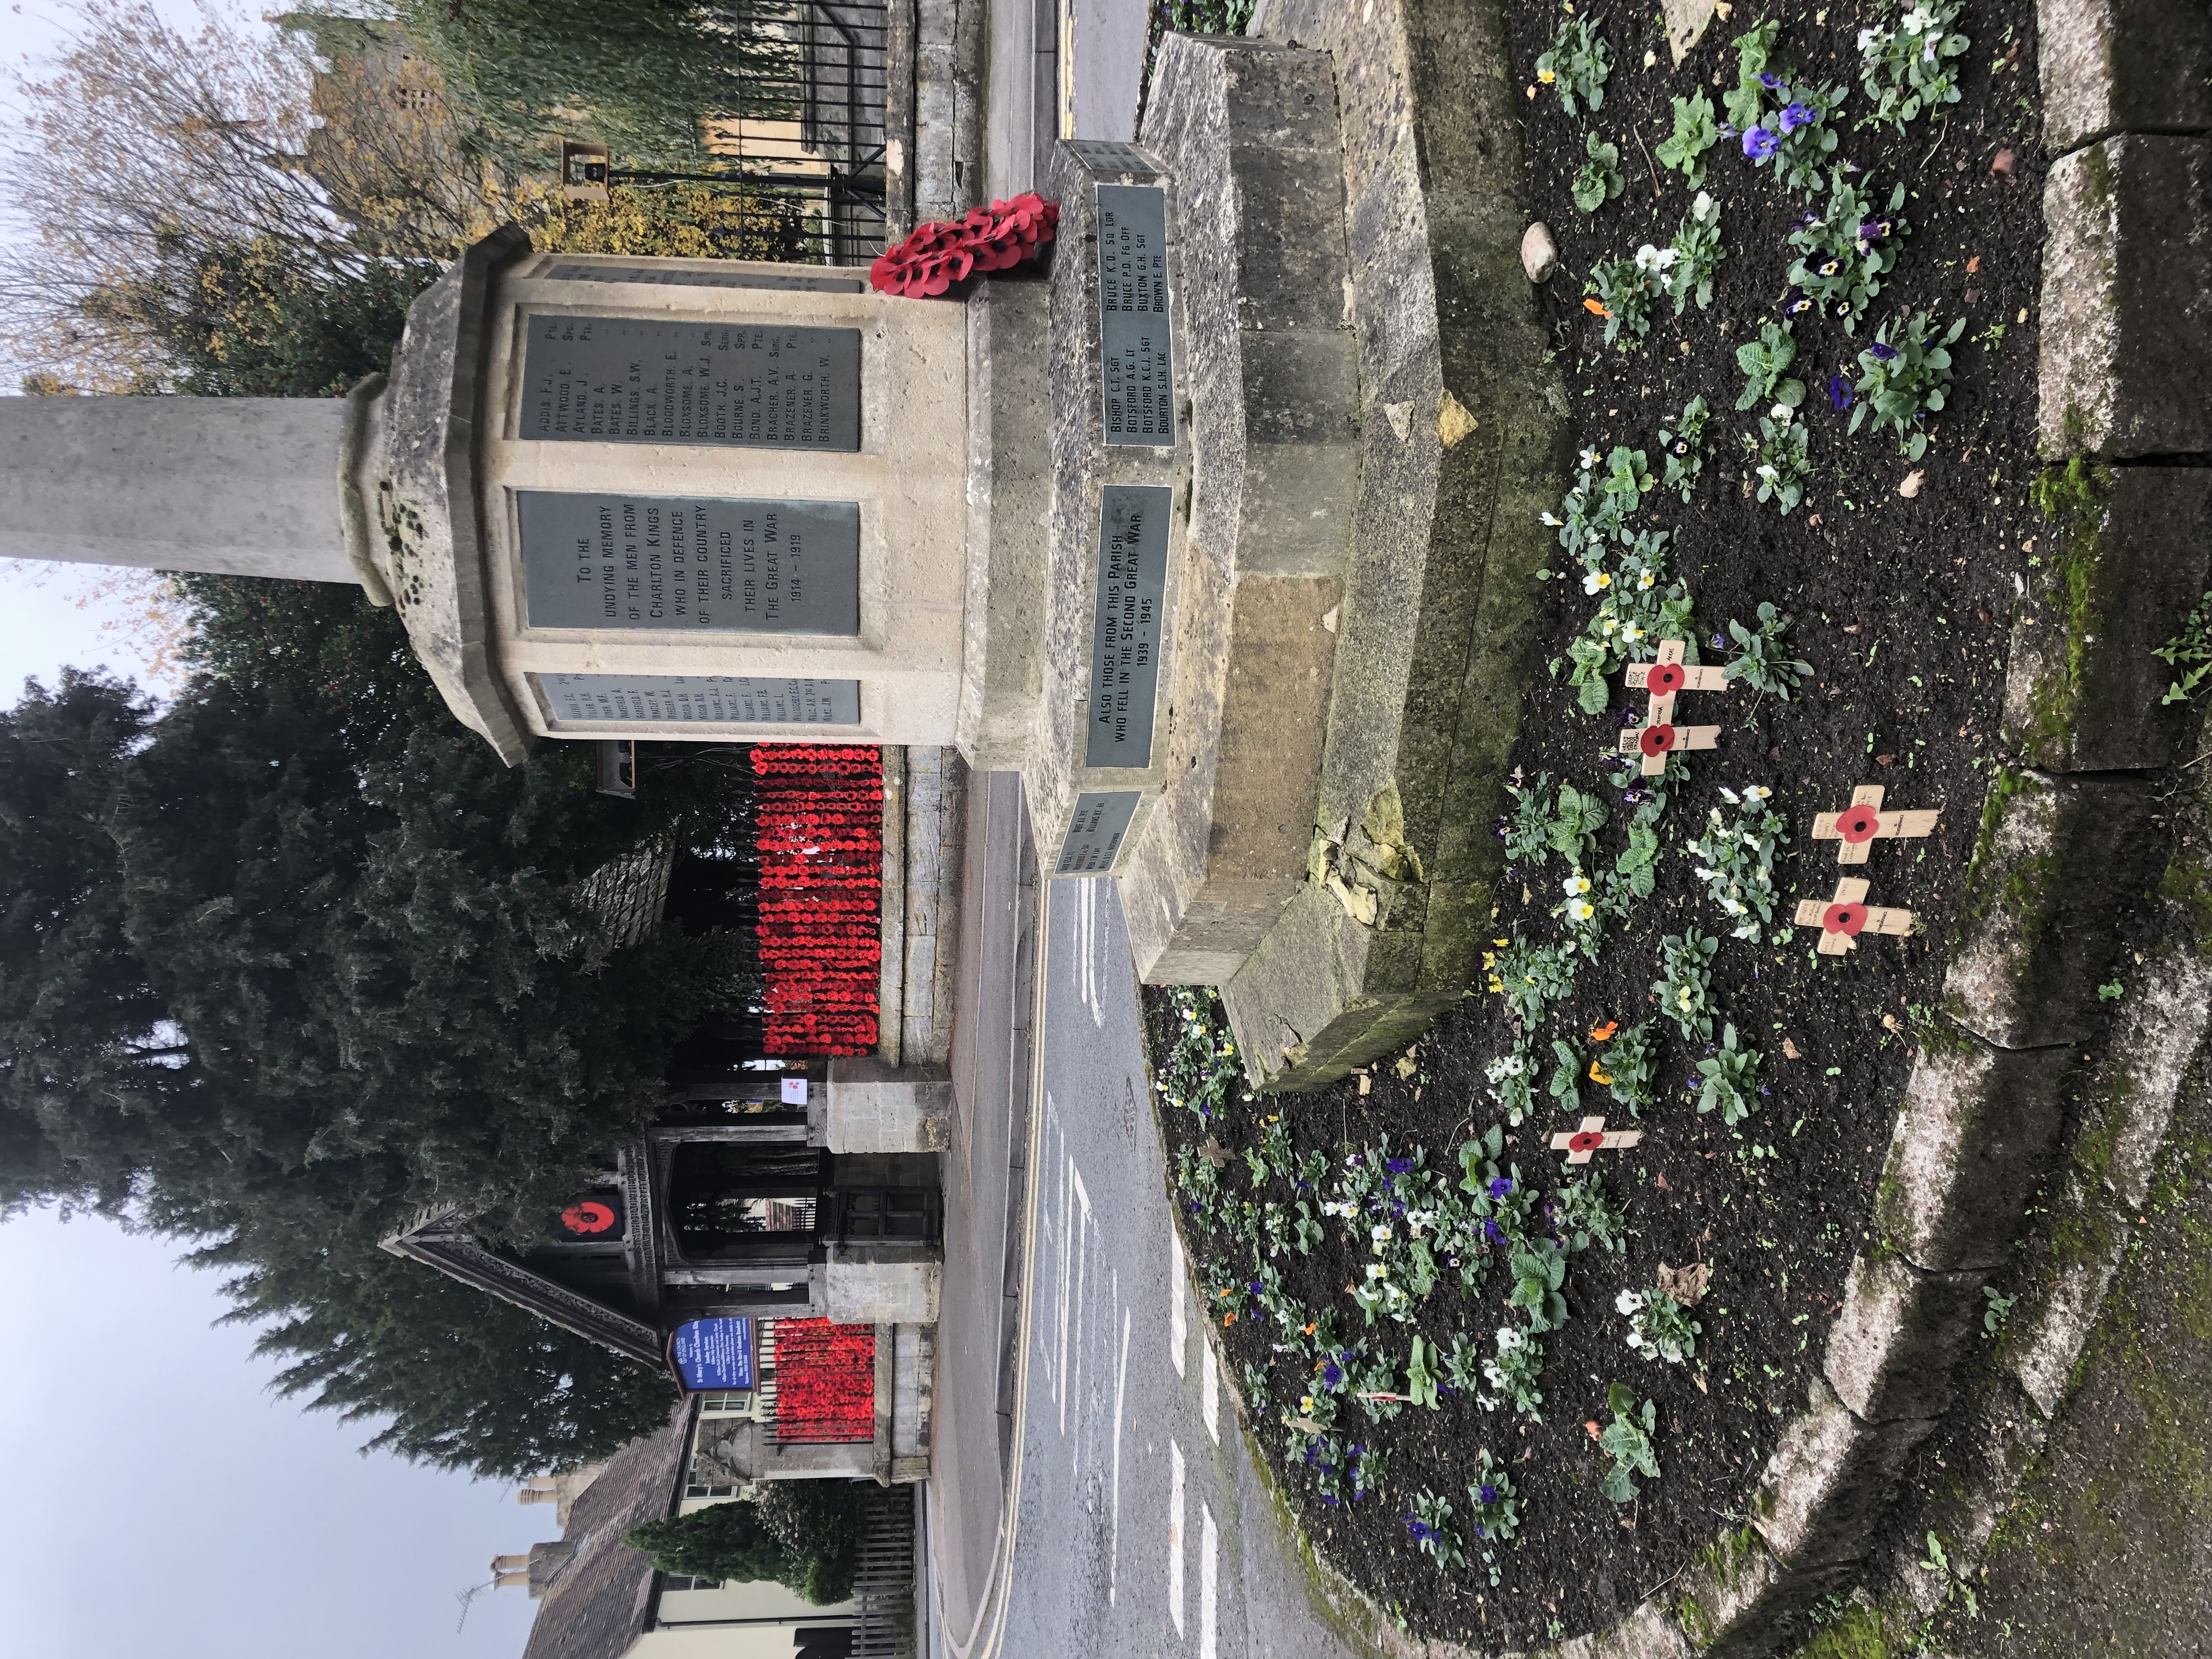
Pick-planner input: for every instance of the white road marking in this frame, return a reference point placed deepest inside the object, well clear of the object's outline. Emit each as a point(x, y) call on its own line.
point(1174, 1534)
point(1209, 1586)
point(1087, 951)
point(1081, 1222)
point(1209, 1391)
point(1178, 1314)
point(1121, 1391)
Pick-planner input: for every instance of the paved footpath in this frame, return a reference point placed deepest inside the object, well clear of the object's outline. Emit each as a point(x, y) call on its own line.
point(1141, 1527)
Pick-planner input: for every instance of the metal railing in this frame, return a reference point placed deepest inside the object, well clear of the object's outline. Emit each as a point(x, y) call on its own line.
point(803, 143)
point(883, 1622)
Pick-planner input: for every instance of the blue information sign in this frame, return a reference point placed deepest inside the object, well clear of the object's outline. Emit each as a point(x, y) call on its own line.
point(713, 1353)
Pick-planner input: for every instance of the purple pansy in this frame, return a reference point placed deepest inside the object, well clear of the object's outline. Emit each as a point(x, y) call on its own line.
point(1795, 115)
point(1758, 143)
point(1487, 1492)
point(1875, 230)
point(1500, 1185)
point(1883, 353)
point(1497, 1233)
point(1422, 1530)
point(1797, 302)
point(1839, 392)
point(1397, 1166)
point(1332, 1376)
point(1771, 80)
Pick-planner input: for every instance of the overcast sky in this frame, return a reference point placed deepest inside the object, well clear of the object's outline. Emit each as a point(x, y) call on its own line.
point(162, 1500)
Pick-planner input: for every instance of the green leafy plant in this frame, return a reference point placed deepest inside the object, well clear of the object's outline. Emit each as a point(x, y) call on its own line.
point(1627, 1441)
point(1731, 1080)
point(1698, 253)
point(1532, 976)
point(1778, 460)
point(1682, 442)
point(2189, 654)
point(1420, 1378)
point(1493, 1509)
point(1765, 364)
point(1585, 909)
point(1463, 1365)
point(1595, 515)
point(1599, 181)
point(1527, 832)
point(1953, 1576)
point(1429, 1523)
point(1636, 867)
point(1659, 1326)
point(1695, 132)
point(1577, 817)
point(1540, 1269)
point(1584, 1216)
point(1637, 607)
point(1632, 1065)
point(1685, 985)
point(1906, 379)
point(1624, 289)
point(1512, 1084)
point(1736, 859)
point(1760, 661)
point(1577, 66)
point(1908, 68)
point(1844, 252)
point(1998, 1311)
point(1513, 1372)
point(1797, 136)
point(1565, 1085)
point(1754, 53)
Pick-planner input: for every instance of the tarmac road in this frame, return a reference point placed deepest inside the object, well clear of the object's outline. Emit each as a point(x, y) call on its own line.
point(1141, 1528)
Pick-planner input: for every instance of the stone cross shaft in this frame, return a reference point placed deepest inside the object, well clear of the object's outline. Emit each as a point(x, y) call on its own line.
point(1664, 679)
point(1592, 1137)
point(1845, 916)
point(1863, 822)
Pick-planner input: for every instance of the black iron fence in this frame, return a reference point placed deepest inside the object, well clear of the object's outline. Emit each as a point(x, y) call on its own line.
point(802, 146)
point(883, 1624)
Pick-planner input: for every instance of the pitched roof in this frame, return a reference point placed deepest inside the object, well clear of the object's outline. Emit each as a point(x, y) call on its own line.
point(594, 1607)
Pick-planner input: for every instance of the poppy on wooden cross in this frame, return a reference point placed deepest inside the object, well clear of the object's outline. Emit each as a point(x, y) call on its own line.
point(1861, 823)
point(1592, 1137)
point(1845, 916)
point(1664, 680)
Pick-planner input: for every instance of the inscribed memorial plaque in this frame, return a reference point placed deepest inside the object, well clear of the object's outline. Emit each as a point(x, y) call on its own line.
point(690, 563)
point(1109, 155)
point(709, 699)
point(1136, 364)
point(681, 381)
point(713, 1355)
point(1125, 628)
point(677, 276)
point(1095, 831)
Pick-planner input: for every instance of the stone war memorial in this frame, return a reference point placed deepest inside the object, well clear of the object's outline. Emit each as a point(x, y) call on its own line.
point(1192, 525)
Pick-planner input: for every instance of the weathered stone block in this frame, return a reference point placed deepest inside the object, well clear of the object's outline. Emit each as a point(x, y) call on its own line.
point(2122, 66)
point(861, 1290)
point(1830, 1482)
point(2058, 862)
point(2127, 308)
point(1973, 1136)
point(2082, 689)
point(1892, 1347)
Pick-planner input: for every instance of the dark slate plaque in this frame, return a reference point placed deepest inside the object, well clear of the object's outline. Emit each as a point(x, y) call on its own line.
point(1106, 156)
point(675, 381)
point(1125, 626)
point(690, 563)
point(679, 276)
point(709, 699)
point(1095, 830)
point(1136, 365)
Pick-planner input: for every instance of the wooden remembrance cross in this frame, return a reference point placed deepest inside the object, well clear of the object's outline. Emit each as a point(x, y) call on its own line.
point(1659, 736)
point(1845, 916)
point(1592, 1137)
point(1861, 823)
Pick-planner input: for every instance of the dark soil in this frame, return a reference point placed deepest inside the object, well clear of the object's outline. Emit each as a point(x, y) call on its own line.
point(1903, 608)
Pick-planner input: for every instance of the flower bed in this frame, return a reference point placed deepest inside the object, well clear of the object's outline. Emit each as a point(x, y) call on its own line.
point(1513, 1396)
point(817, 832)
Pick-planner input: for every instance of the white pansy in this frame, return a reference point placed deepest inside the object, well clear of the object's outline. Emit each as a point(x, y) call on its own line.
point(1588, 458)
point(1768, 473)
point(1581, 910)
point(1647, 580)
point(1629, 1301)
point(1577, 882)
point(1867, 38)
point(1548, 518)
point(1648, 258)
point(1596, 581)
point(1919, 21)
point(1781, 414)
point(1631, 633)
point(1705, 208)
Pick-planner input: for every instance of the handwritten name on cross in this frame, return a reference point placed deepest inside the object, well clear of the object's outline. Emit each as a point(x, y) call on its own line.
point(1863, 822)
point(1592, 1137)
point(1845, 916)
point(1665, 680)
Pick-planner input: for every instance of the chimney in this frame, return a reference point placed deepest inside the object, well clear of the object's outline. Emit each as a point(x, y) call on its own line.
point(511, 1581)
point(506, 1564)
point(537, 1495)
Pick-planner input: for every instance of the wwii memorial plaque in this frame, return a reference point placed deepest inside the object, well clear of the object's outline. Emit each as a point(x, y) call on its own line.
point(676, 380)
point(1096, 830)
point(684, 277)
point(1137, 368)
point(1124, 637)
point(690, 563)
point(704, 699)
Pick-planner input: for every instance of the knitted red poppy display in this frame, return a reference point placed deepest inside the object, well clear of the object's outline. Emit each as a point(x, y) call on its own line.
point(818, 832)
point(826, 1383)
point(938, 255)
